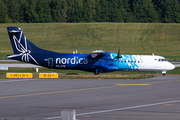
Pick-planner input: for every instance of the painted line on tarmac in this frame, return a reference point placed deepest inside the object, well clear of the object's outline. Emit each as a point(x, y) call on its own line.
point(55, 92)
point(149, 113)
point(118, 109)
point(145, 117)
point(145, 84)
point(163, 81)
point(131, 84)
point(8, 81)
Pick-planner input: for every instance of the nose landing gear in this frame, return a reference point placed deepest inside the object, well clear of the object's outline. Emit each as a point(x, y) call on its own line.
point(163, 73)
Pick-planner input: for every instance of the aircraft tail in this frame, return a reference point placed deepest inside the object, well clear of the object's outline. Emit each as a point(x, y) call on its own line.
point(23, 48)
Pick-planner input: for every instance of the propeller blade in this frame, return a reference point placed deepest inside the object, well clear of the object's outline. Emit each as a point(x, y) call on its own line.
point(118, 52)
point(119, 56)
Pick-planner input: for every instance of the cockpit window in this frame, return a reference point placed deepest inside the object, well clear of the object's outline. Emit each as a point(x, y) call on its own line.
point(161, 60)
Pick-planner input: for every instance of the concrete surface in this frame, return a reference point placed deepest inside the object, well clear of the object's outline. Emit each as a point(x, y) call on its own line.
point(32, 99)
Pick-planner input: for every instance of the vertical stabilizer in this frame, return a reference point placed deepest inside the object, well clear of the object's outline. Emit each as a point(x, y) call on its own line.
point(23, 48)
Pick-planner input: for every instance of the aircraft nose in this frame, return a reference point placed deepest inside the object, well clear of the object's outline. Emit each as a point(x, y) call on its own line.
point(172, 66)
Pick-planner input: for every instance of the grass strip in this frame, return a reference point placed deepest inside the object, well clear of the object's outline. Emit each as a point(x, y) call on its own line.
point(133, 38)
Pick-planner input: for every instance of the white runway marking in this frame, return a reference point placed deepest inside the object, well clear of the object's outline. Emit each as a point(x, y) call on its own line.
point(126, 108)
point(17, 80)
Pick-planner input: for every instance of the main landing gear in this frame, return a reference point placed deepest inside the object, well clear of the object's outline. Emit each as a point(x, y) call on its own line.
point(97, 72)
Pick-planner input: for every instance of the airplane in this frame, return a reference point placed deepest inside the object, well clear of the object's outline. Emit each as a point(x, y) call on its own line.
point(97, 61)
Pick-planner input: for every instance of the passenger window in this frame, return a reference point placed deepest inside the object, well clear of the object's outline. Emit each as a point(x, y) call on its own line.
point(131, 61)
point(134, 61)
point(121, 60)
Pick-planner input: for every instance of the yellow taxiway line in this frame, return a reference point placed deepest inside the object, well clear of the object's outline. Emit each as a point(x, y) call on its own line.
point(63, 91)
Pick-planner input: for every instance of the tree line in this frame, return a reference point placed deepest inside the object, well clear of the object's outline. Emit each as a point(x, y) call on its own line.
point(76, 11)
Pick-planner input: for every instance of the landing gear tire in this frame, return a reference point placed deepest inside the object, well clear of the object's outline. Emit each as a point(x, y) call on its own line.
point(97, 72)
point(164, 74)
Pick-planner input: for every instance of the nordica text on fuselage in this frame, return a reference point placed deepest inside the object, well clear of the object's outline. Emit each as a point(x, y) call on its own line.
point(74, 60)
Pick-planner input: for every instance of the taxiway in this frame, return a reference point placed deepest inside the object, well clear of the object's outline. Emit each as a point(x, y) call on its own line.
point(156, 98)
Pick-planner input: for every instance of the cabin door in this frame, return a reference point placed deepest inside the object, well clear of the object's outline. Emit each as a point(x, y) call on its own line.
point(50, 62)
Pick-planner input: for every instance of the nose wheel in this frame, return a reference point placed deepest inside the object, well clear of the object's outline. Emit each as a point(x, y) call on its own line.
point(163, 73)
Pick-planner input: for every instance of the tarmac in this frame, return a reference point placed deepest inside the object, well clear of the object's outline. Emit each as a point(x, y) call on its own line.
point(93, 99)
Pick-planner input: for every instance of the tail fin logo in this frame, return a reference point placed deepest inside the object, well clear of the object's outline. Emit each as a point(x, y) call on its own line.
point(23, 49)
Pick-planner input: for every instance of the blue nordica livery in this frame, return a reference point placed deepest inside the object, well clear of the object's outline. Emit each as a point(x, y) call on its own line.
point(97, 61)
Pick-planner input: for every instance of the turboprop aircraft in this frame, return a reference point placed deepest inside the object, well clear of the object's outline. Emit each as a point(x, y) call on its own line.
point(97, 61)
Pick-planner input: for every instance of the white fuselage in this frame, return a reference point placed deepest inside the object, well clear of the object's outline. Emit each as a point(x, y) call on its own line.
point(154, 63)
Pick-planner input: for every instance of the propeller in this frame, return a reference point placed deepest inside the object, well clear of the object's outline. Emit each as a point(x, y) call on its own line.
point(119, 56)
